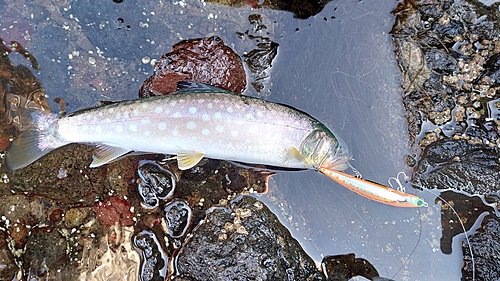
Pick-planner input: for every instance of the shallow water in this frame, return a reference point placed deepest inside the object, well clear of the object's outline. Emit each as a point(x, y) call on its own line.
point(338, 66)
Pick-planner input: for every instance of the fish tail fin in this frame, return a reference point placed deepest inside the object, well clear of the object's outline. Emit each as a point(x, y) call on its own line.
point(30, 145)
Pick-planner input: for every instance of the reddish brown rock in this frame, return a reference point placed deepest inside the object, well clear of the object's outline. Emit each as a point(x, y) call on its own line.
point(115, 210)
point(206, 60)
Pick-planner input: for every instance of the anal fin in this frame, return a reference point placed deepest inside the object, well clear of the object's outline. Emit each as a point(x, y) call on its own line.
point(106, 153)
point(188, 159)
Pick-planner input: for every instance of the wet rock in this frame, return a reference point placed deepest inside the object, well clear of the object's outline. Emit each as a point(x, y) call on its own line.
point(206, 60)
point(457, 164)
point(345, 267)
point(485, 245)
point(244, 239)
point(177, 218)
point(440, 62)
point(153, 260)
point(20, 92)
point(156, 183)
point(79, 185)
point(260, 60)
point(469, 209)
point(447, 54)
point(117, 210)
point(75, 217)
point(492, 70)
point(45, 252)
point(9, 268)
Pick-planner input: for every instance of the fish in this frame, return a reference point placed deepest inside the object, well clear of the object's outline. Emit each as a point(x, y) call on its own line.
point(195, 122)
point(373, 190)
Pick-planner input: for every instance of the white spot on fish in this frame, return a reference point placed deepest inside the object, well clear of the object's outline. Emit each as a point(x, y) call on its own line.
point(111, 110)
point(175, 132)
point(158, 109)
point(201, 101)
point(173, 103)
point(205, 117)
point(147, 133)
point(162, 126)
point(205, 132)
point(253, 130)
point(177, 114)
point(249, 116)
point(210, 105)
point(132, 128)
point(119, 129)
point(219, 128)
point(260, 114)
point(218, 115)
point(98, 129)
point(235, 133)
point(191, 125)
point(192, 109)
point(107, 120)
point(118, 116)
point(85, 127)
point(230, 109)
point(145, 121)
point(144, 105)
point(135, 112)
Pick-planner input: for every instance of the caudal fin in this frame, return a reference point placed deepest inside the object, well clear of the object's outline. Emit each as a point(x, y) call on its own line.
point(26, 148)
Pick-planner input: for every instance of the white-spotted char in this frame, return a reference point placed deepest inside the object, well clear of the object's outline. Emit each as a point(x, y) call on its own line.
point(199, 121)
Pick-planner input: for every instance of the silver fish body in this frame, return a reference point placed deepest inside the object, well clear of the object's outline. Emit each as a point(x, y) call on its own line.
point(210, 123)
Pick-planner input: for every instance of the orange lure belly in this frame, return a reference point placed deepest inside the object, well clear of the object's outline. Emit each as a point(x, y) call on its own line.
point(374, 191)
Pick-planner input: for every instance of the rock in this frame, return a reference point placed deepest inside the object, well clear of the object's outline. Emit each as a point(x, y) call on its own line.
point(245, 239)
point(345, 267)
point(206, 60)
point(456, 164)
point(485, 245)
point(116, 210)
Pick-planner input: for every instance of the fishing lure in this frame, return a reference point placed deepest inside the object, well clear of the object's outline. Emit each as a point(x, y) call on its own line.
point(373, 190)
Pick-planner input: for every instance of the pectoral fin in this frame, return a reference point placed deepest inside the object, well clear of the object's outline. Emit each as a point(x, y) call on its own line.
point(188, 159)
point(105, 154)
point(294, 155)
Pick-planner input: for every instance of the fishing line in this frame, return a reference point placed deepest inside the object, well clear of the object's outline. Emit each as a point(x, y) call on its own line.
point(401, 187)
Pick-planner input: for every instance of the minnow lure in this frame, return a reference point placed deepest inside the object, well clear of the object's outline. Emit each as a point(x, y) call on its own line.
point(373, 190)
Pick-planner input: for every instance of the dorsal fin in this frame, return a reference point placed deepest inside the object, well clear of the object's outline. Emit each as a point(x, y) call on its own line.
point(185, 86)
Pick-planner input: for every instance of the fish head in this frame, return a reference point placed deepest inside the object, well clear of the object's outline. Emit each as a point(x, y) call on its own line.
point(321, 148)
